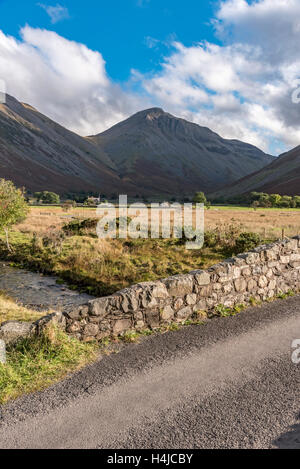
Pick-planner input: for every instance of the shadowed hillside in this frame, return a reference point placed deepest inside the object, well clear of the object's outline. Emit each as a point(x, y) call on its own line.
point(282, 176)
point(151, 153)
point(173, 155)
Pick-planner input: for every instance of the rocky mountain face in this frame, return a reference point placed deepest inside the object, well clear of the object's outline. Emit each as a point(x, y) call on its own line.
point(39, 154)
point(282, 176)
point(151, 153)
point(164, 153)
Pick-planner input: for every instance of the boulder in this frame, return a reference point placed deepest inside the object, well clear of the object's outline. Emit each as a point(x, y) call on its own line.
point(12, 332)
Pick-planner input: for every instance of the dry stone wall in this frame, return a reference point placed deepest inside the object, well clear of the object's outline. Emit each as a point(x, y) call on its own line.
point(260, 274)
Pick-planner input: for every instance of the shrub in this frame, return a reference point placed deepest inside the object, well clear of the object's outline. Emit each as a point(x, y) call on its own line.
point(247, 241)
point(79, 227)
point(199, 198)
point(13, 207)
point(47, 197)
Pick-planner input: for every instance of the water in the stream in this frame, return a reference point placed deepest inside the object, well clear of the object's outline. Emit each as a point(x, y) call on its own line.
point(37, 291)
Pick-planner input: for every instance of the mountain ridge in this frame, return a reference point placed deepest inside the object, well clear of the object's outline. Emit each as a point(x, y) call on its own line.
point(282, 176)
point(150, 153)
point(155, 142)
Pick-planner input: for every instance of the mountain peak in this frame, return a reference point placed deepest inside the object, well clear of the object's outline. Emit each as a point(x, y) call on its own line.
point(151, 113)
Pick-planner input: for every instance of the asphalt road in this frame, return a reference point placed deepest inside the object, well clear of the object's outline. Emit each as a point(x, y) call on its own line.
point(228, 384)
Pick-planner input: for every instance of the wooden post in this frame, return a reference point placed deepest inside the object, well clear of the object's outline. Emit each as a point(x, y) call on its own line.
point(283, 233)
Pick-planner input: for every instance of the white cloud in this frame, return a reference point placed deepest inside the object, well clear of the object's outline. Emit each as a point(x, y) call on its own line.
point(151, 42)
point(240, 88)
point(57, 13)
point(63, 79)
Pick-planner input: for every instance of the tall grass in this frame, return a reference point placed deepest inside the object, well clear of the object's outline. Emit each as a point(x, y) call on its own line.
point(38, 362)
point(10, 311)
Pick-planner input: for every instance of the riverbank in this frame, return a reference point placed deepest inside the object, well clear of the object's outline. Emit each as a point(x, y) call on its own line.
point(37, 291)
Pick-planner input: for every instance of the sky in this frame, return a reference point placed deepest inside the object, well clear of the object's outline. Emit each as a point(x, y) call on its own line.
point(230, 65)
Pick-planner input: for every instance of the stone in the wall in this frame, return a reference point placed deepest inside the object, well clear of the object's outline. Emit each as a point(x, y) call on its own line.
point(272, 284)
point(152, 319)
point(227, 287)
point(252, 258)
point(178, 303)
point(246, 272)
point(217, 286)
point(191, 299)
point(100, 307)
point(252, 285)
point(184, 313)
point(138, 316)
point(74, 327)
point(179, 285)
point(121, 325)
point(91, 330)
point(284, 259)
point(202, 278)
point(262, 281)
point(128, 299)
point(256, 270)
point(167, 313)
point(240, 284)
point(152, 294)
point(200, 306)
point(12, 332)
point(204, 291)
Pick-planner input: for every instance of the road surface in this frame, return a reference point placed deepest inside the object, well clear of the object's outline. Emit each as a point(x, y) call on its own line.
point(228, 384)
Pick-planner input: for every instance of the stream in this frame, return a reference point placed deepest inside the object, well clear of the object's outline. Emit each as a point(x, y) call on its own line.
point(37, 291)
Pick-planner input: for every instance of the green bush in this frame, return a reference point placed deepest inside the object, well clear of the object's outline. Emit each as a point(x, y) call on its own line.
point(79, 227)
point(247, 241)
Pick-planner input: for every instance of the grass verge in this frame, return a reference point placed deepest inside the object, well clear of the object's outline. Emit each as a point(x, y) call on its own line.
point(11, 311)
point(38, 362)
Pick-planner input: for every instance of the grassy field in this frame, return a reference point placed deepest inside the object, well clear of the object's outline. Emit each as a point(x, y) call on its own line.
point(261, 220)
point(102, 266)
point(267, 222)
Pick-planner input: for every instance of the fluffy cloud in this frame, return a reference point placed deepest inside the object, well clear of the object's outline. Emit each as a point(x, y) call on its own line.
point(57, 13)
point(243, 88)
point(63, 79)
point(240, 87)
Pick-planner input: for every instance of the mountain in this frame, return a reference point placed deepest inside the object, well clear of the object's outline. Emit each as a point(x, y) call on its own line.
point(164, 153)
point(39, 154)
point(151, 153)
point(282, 176)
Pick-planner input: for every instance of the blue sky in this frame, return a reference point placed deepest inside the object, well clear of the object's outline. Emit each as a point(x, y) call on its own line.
point(217, 63)
point(121, 29)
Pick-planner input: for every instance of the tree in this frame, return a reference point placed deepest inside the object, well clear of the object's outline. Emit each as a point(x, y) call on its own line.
point(255, 204)
point(286, 201)
point(13, 207)
point(68, 204)
point(199, 198)
point(38, 196)
point(275, 200)
point(47, 197)
point(297, 200)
